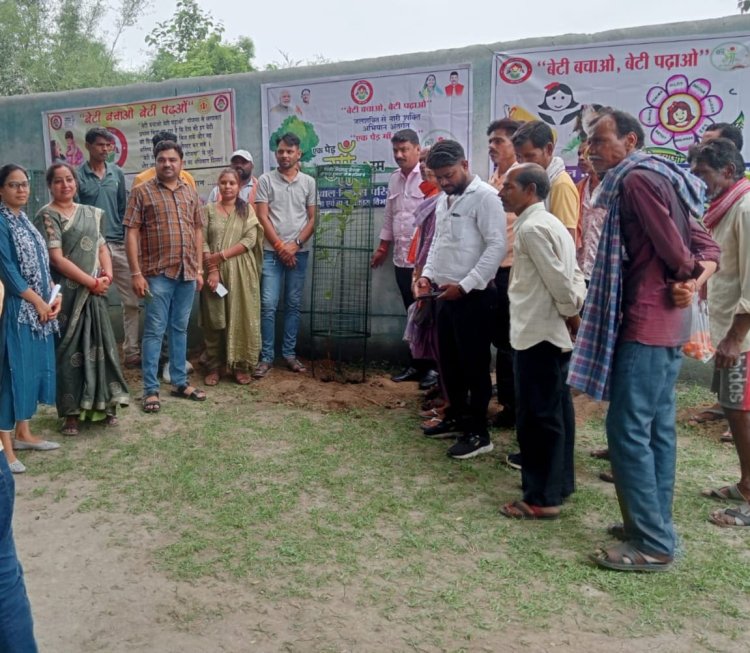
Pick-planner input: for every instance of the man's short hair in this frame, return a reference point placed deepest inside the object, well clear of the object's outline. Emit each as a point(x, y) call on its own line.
point(98, 132)
point(445, 153)
point(453, 72)
point(161, 146)
point(507, 125)
point(158, 137)
point(538, 132)
point(717, 154)
point(405, 136)
point(726, 130)
point(624, 124)
point(289, 139)
point(532, 173)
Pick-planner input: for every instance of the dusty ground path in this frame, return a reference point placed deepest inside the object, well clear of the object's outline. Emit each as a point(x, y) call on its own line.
point(95, 584)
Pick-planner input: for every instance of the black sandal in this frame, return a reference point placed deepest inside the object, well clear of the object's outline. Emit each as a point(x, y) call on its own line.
point(151, 404)
point(196, 395)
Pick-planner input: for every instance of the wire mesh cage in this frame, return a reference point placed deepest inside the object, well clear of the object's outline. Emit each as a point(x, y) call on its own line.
point(340, 306)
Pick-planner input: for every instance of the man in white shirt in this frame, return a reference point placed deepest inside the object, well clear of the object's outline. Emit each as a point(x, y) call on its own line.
point(404, 196)
point(546, 293)
point(467, 248)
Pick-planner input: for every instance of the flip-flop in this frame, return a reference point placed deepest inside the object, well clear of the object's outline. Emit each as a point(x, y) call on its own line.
point(740, 515)
point(707, 415)
point(607, 477)
point(726, 436)
point(526, 511)
point(196, 394)
point(212, 378)
point(625, 557)
point(726, 493)
point(600, 454)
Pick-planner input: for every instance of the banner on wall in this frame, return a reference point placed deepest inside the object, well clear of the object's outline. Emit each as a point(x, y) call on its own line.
point(204, 124)
point(350, 119)
point(676, 87)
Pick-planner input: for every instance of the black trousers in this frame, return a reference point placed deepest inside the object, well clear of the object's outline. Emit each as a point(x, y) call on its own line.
point(506, 395)
point(464, 336)
point(403, 281)
point(545, 424)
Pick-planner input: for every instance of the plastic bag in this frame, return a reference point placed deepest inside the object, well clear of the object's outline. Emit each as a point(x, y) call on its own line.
point(699, 345)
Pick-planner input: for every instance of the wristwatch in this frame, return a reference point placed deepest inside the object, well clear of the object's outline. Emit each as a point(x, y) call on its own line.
point(298, 242)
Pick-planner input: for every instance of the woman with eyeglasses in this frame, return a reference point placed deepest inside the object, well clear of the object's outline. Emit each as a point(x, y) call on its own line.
point(28, 323)
point(90, 384)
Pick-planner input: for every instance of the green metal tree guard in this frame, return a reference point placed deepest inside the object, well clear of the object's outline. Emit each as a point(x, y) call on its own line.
point(340, 305)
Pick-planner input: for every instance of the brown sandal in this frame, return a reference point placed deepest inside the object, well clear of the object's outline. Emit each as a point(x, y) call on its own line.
point(242, 377)
point(212, 378)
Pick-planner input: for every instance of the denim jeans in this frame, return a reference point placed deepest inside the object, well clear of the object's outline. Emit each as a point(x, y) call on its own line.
point(274, 273)
point(642, 442)
point(16, 625)
point(167, 312)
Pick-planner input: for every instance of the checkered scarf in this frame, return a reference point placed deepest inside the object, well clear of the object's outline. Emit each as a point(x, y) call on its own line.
point(591, 362)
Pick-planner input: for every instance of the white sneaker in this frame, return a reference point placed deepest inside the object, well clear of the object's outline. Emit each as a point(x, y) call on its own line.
point(165, 371)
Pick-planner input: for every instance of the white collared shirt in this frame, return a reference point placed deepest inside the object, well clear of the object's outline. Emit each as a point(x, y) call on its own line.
point(469, 240)
point(546, 285)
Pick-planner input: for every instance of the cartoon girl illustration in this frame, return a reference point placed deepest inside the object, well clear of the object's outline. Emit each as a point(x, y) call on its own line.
point(73, 153)
point(430, 88)
point(679, 115)
point(559, 101)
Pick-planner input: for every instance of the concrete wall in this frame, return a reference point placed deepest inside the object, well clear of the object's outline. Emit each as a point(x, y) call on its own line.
point(21, 139)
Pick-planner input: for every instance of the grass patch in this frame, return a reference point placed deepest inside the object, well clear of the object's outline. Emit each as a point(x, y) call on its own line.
point(258, 492)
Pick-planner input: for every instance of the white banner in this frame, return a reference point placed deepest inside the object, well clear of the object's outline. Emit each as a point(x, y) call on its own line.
point(676, 87)
point(351, 119)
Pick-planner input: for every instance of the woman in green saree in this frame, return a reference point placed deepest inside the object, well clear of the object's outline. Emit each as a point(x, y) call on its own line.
point(233, 258)
point(90, 384)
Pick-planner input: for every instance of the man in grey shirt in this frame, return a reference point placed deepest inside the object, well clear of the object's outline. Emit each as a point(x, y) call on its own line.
point(285, 204)
point(466, 251)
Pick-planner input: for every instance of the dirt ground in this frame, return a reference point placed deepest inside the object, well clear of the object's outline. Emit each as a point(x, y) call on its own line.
point(94, 586)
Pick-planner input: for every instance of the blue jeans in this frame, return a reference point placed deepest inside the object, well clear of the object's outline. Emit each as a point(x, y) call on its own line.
point(274, 272)
point(642, 442)
point(16, 625)
point(168, 310)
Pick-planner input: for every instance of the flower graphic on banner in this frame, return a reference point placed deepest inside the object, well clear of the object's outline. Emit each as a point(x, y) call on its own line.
point(680, 111)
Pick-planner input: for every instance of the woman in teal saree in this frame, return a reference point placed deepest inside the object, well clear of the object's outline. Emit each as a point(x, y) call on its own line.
point(90, 384)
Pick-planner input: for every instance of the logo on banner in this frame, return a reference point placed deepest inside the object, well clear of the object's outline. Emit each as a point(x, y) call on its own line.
point(730, 56)
point(221, 103)
point(515, 70)
point(120, 155)
point(362, 91)
point(203, 105)
point(56, 122)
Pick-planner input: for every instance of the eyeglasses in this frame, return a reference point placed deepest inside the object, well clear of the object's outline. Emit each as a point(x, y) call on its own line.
point(17, 185)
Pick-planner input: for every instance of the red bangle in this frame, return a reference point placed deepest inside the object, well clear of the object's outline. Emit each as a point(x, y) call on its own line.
point(96, 284)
